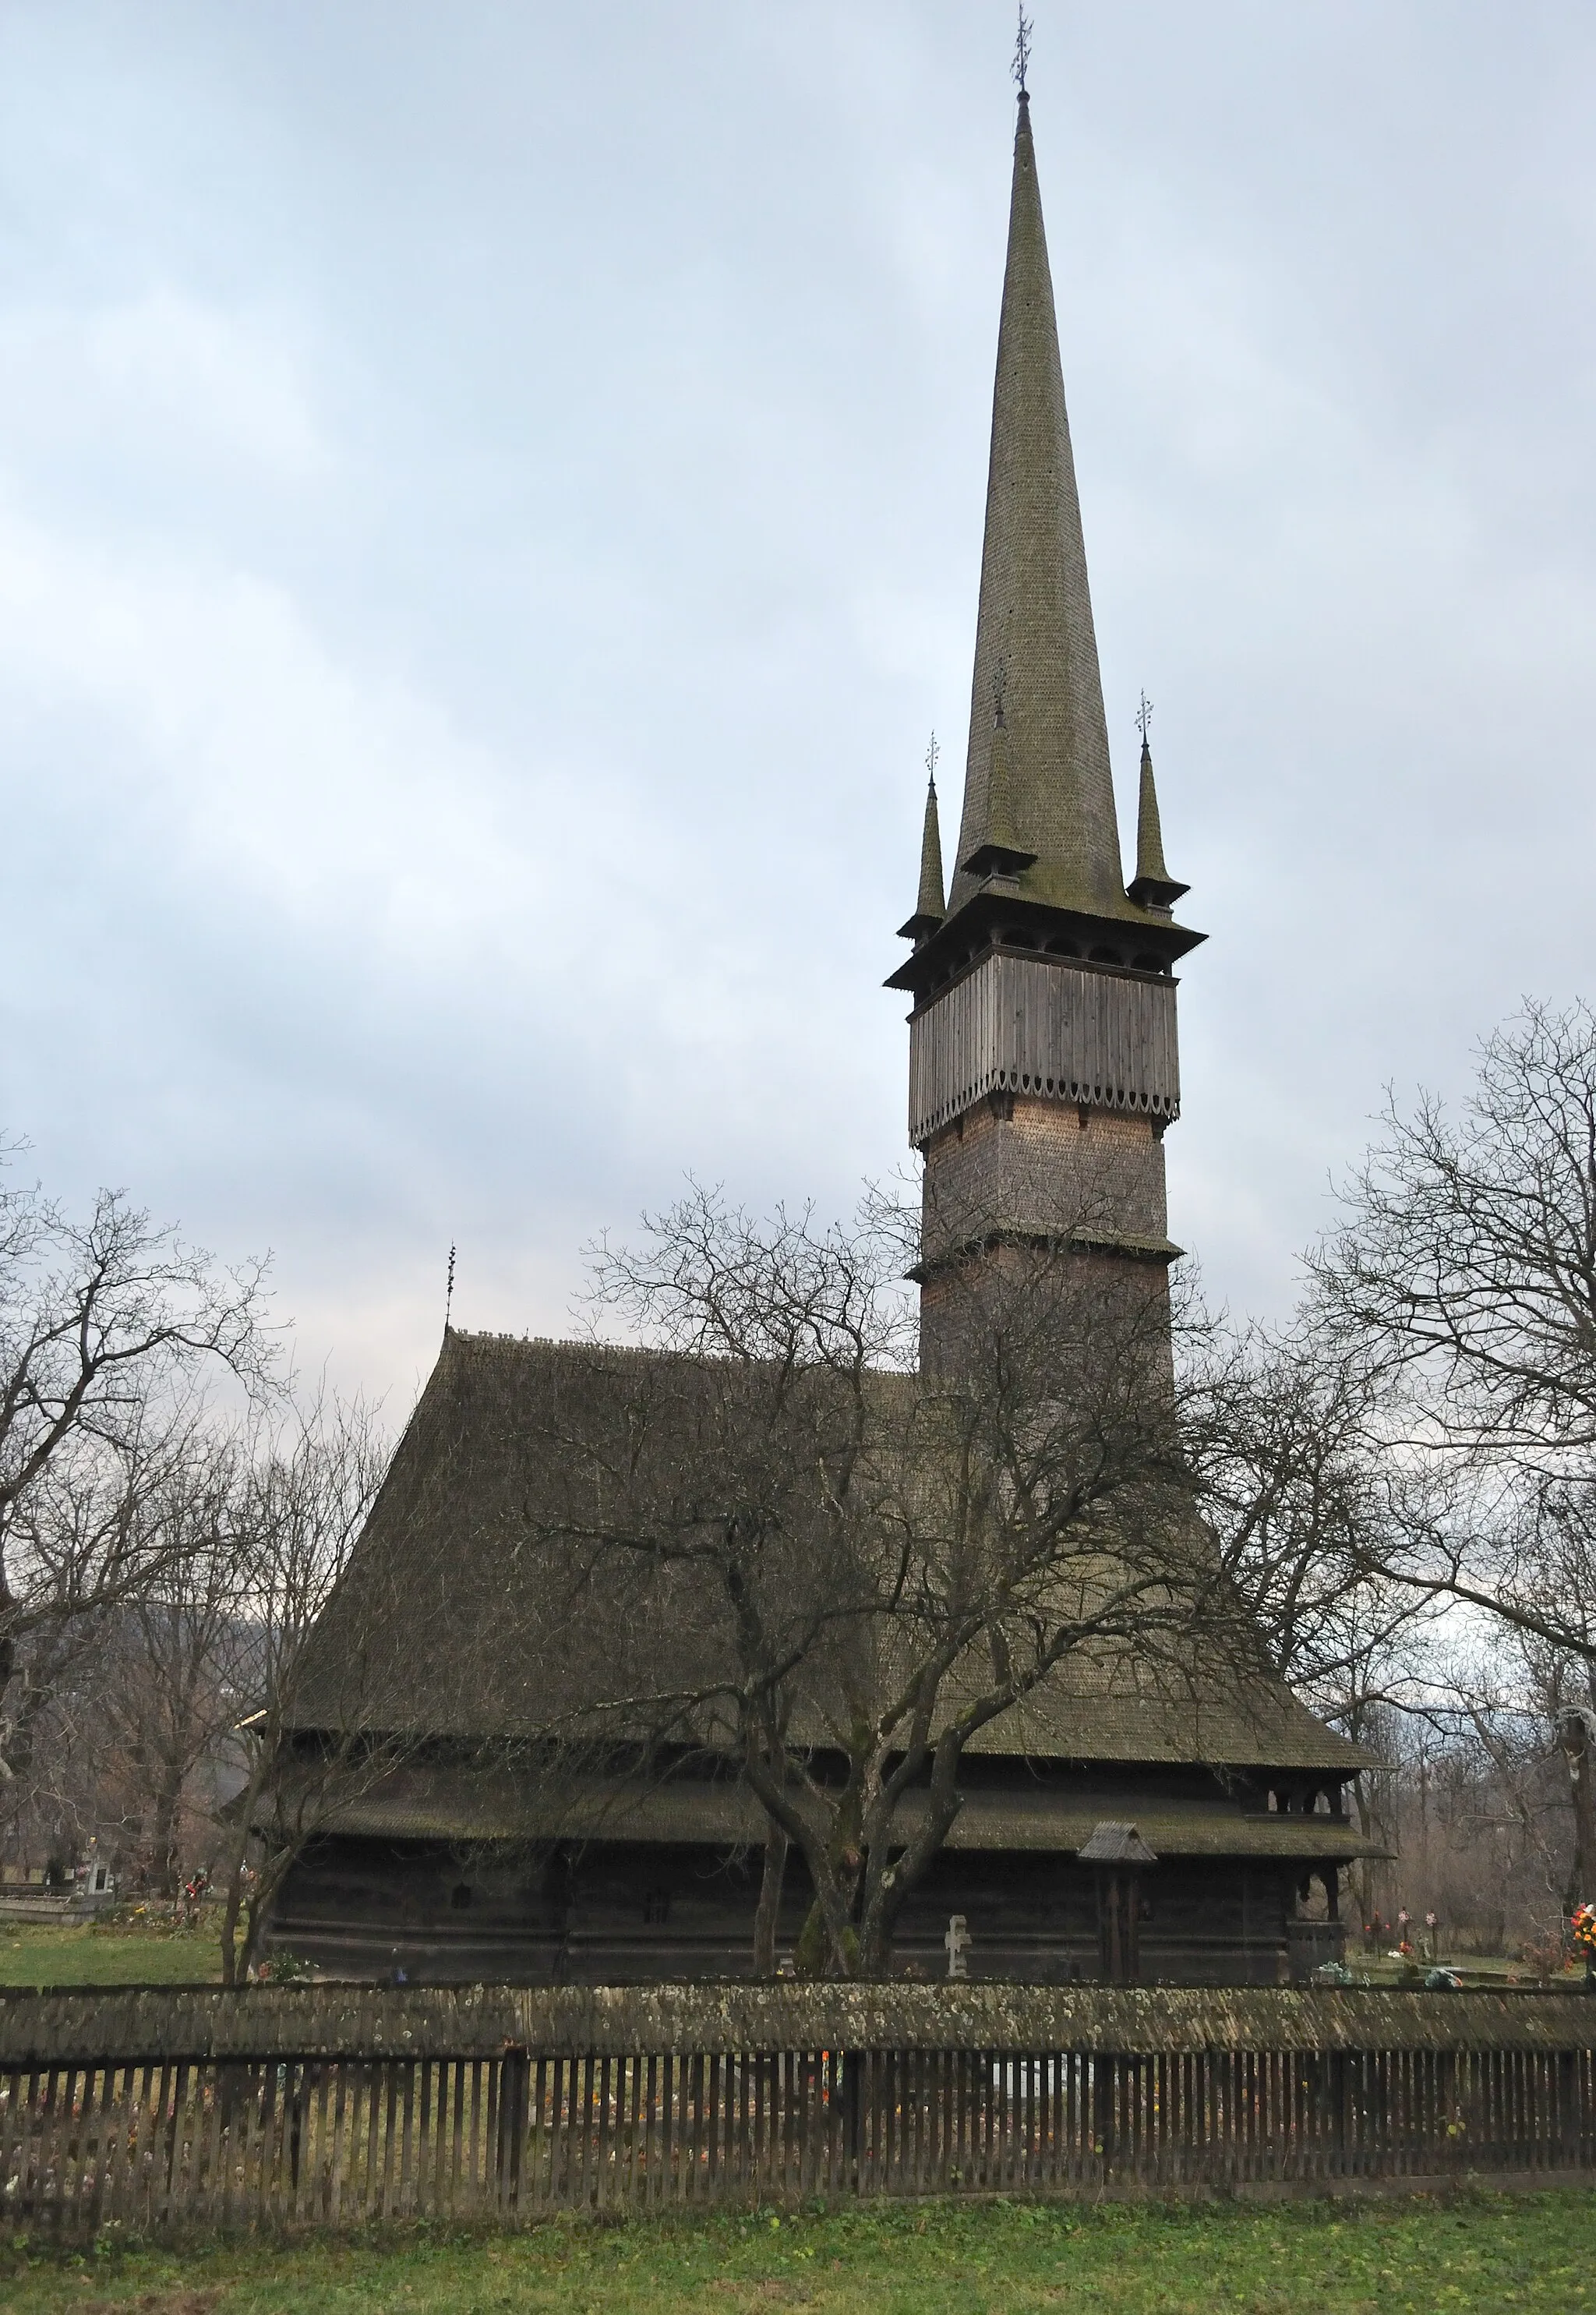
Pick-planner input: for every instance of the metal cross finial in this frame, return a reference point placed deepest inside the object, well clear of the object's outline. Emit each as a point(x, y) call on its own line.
point(932, 755)
point(1022, 50)
point(448, 1299)
point(1144, 716)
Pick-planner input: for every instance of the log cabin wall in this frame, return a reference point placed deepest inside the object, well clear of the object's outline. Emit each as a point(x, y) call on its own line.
point(624, 1913)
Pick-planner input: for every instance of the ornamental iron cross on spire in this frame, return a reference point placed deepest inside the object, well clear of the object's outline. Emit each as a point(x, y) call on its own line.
point(932, 753)
point(1144, 717)
point(1022, 50)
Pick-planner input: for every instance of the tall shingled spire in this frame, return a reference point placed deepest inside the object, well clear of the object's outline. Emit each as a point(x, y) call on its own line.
point(1035, 613)
point(1038, 867)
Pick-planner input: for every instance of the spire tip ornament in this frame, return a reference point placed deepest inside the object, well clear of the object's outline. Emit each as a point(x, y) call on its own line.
point(1022, 55)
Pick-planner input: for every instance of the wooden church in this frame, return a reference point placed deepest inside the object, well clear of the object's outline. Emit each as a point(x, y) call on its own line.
point(1103, 1832)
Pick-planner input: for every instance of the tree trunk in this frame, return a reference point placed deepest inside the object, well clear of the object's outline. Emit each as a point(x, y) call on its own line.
point(1576, 1729)
point(767, 1914)
point(230, 1925)
point(168, 1801)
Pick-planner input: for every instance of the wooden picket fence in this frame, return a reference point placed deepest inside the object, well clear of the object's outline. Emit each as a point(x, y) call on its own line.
point(413, 2118)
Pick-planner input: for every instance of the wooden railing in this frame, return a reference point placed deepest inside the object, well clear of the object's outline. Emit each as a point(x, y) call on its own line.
point(333, 2106)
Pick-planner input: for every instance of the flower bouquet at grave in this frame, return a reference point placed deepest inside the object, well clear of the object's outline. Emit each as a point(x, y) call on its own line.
point(1581, 1929)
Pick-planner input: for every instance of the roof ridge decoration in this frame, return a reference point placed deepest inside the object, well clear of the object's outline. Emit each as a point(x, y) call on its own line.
point(1035, 643)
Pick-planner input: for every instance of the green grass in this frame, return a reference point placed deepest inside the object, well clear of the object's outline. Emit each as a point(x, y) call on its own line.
point(113, 1954)
point(1484, 2253)
point(1486, 1970)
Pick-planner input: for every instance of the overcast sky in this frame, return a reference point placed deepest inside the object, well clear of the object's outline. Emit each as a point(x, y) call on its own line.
point(489, 512)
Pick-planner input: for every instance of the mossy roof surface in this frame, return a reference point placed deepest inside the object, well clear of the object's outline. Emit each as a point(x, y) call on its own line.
point(452, 1620)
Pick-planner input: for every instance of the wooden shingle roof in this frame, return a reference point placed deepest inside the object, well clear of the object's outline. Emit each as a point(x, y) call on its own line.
point(456, 1619)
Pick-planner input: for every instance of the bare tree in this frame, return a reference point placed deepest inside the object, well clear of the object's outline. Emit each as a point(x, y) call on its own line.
point(1309, 1513)
point(107, 1328)
point(300, 1498)
point(1284, 1443)
point(1464, 1278)
point(167, 1697)
point(1467, 1261)
point(861, 1568)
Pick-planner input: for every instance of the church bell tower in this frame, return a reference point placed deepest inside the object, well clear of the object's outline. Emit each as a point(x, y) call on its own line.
point(1043, 1068)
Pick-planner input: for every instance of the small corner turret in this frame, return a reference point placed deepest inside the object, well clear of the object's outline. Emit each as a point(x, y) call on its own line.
point(930, 904)
point(1152, 886)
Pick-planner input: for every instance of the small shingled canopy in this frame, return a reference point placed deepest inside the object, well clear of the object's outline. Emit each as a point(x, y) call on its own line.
point(1116, 1844)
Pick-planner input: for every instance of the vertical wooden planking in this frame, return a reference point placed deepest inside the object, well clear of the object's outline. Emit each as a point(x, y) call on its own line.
point(99, 2095)
point(665, 2068)
point(152, 2119)
point(801, 2094)
point(262, 2121)
point(510, 2135)
point(208, 2145)
point(30, 2137)
point(227, 2091)
point(946, 2162)
point(372, 2084)
point(34, 2191)
point(63, 2141)
point(584, 2085)
point(296, 2092)
point(759, 2067)
point(333, 2173)
point(387, 2147)
point(451, 2131)
point(80, 2179)
point(10, 2138)
point(626, 2183)
point(669, 2067)
point(57, 2139)
point(921, 2065)
point(477, 2164)
point(644, 2165)
point(493, 2135)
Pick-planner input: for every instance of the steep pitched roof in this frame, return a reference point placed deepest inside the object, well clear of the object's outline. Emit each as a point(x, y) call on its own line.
point(457, 1617)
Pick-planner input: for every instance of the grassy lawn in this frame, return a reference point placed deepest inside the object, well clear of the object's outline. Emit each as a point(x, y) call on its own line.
point(1482, 2253)
point(1486, 1970)
point(114, 1954)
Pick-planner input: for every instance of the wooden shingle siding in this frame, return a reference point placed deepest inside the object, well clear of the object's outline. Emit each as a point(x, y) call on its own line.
point(1025, 1025)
